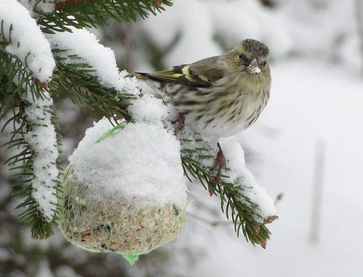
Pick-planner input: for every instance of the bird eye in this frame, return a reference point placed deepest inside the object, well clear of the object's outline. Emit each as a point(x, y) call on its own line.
point(244, 60)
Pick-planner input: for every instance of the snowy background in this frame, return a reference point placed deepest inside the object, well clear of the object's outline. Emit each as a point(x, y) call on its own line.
point(309, 137)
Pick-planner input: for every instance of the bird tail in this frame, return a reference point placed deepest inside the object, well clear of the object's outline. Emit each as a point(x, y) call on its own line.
point(158, 76)
point(150, 81)
point(141, 75)
point(137, 75)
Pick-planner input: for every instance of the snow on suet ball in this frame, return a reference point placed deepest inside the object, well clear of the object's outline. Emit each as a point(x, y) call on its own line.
point(124, 190)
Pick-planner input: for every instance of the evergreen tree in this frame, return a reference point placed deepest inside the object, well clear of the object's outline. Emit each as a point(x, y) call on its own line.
point(38, 60)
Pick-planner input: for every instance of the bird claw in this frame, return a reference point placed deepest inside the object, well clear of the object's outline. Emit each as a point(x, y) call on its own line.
point(180, 123)
point(220, 163)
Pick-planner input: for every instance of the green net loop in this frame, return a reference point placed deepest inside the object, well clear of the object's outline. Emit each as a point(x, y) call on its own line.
point(111, 132)
point(132, 259)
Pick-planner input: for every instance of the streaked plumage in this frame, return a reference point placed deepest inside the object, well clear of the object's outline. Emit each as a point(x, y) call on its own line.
point(220, 95)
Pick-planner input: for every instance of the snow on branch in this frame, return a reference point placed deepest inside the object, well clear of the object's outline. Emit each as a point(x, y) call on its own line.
point(148, 109)
point(242, 199)
point(82, 47)
point(41, 137)
point(239, 173)
point(23, 38)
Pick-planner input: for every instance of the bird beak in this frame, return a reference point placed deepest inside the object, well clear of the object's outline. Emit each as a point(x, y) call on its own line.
point(253, 67)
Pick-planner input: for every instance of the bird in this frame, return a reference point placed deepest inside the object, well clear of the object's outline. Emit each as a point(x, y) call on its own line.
point(220, 95)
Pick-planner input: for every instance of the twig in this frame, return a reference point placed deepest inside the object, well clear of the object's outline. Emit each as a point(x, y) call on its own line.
point(68, 3)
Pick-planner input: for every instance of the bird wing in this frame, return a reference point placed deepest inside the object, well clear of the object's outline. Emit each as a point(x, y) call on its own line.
point(199, 74)
point(210, 69)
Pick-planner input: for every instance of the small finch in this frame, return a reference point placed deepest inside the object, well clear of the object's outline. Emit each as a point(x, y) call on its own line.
point(220, 95)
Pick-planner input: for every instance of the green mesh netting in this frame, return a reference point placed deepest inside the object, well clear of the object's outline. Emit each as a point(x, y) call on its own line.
point(97, 224)
point(132, 259)
point(111, 132)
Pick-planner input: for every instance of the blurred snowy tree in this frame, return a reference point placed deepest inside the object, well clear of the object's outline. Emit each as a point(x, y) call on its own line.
point(300, 28)
point(46, 54)
point(42, 50)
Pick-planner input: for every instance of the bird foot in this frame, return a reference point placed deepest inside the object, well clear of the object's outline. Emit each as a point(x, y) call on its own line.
point(180, 123)
point(220, 161)
point(219, 164)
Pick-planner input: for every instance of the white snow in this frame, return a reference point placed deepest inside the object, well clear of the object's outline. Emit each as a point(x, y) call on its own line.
point(294, 28)
point(246, 19)
point(25, 40)
point(198, 22)
point(148, 108)
point(140, 162)
point(235, 161)
point(321, 102)
point(86, 46)
point(191, 20)
point(42, 140)
point(309, 101)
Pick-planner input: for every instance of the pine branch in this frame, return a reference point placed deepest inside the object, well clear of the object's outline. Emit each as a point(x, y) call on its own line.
point(15, 82)
point(77, 80)
point(21, 162)
point(92, 13)
point(33, 51)
point(11, 72)
point(196, 158)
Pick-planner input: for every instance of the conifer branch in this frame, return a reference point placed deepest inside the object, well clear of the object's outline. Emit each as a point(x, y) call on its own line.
point(92, 13)
point(77, 80)
point(15, 82)
point(196, 156)
point(82, 87)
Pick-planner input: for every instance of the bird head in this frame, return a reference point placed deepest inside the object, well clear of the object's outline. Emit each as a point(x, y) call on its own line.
point(249, 56)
